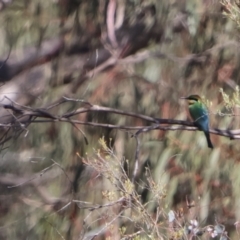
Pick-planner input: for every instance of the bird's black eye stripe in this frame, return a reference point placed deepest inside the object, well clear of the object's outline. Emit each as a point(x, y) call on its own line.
point(194, 99)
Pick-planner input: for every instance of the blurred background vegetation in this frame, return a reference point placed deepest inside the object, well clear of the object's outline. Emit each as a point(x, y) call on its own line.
point(135, 55)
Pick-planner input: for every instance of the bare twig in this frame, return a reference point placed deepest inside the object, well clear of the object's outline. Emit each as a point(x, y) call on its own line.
point(55, 230)
point(24, 116)
point(111, 23)
point(92, 208)
point(136, 164)
point(106, 226)
point(34, 177)
point(55, 163)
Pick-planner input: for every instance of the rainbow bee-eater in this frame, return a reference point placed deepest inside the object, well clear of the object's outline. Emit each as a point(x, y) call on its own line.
point(199, 114)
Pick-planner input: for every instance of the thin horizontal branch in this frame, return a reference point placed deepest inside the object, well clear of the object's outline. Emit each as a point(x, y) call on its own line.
point(233, 134)
point(83, 205)
point(146, 54)
point(23, 116)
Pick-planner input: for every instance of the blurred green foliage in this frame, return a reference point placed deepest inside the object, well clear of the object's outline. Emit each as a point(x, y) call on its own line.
point(200, 55)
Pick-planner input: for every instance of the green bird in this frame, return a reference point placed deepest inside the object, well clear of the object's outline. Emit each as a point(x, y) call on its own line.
point(199, 114)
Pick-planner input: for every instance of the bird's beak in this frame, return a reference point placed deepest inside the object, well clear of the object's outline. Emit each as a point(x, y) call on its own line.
point(183, 97)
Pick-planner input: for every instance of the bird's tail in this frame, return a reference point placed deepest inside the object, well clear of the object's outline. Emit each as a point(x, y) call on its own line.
point(210, 145)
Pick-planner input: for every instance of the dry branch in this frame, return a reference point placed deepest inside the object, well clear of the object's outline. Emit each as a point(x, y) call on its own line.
point(23, 116)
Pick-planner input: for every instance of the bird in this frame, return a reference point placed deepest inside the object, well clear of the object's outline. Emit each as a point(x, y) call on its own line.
point(199, 114)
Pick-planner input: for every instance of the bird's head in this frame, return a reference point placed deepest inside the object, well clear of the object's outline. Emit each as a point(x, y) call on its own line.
point(192, 99)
